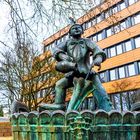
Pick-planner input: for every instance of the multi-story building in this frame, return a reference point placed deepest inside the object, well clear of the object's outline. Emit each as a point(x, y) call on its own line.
point(115, 26)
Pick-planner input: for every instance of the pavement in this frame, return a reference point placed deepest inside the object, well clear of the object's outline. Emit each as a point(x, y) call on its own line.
point(5, 138)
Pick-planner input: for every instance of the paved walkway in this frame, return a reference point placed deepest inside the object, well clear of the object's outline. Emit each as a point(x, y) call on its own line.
point(5, 138)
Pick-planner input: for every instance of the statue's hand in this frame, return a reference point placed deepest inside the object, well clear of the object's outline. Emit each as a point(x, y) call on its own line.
point(69, 59)
point(65, 57)
point(98, 60)
point(65, 66)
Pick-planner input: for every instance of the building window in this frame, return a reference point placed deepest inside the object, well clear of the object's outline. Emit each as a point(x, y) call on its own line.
point(53, 45)
point(112, 74)
point(139, 66)
point(99, 35)
point(94, 38)
point(84, 26)
point(121, 72)
point(116, 101)
point(103, 77)
point(44, 92)
point(128, 46)
point(119, 49)
point(123, 25)
point(125, 101)
point(99, 18)
point(131, 70)
point(41, 94)
point(134, 96)
point(137, 42)
point(116, 29)
point(112, 51)
point(88, 24)
point(122, 5)
point(114, 9)
point(38, 94)
point(108, 32)
point(93, 21)
point(131, 2)
point(85, 104)
point(91, 103)
point(137, 18)
point(107, 14)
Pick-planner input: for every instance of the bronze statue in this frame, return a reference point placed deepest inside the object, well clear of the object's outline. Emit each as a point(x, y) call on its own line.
point(73, 58)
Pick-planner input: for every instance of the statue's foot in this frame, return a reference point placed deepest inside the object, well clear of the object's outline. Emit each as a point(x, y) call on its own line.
point(105, 104)
point(52, 107)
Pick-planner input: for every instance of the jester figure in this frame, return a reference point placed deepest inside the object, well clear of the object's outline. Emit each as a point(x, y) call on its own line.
point(73, 57)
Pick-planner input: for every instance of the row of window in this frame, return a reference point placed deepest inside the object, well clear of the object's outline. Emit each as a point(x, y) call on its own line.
point(121, 101)
point(112, 10)
point(103, 15)
point(126, 23)
point(120, 72)
point(124, 100)
point(123, 47)
point(56, 42)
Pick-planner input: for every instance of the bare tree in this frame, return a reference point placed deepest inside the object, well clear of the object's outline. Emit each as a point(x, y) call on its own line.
point(21, 79)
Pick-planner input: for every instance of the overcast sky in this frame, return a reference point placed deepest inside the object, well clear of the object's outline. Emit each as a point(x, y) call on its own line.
point(4, 17)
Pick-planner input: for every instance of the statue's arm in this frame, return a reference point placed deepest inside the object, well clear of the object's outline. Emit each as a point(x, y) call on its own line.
point(60, 52)
point(98, 54)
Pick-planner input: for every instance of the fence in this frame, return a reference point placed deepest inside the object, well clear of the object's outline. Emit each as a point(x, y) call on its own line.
point(73, 125)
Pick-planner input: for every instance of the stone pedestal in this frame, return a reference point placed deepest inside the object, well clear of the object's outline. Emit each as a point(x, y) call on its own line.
point(73, 125)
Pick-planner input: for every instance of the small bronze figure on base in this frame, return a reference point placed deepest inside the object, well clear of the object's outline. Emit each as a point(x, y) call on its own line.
point(73, 58)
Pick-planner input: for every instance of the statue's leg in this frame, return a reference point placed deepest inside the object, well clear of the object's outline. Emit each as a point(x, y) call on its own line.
point(60, 90)
point(81, 90)
point(103, 101)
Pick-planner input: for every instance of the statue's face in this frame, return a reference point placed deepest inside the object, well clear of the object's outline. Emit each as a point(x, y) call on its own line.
point(76, 30)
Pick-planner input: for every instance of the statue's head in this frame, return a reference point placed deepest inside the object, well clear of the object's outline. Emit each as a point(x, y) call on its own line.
point(76, 30)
